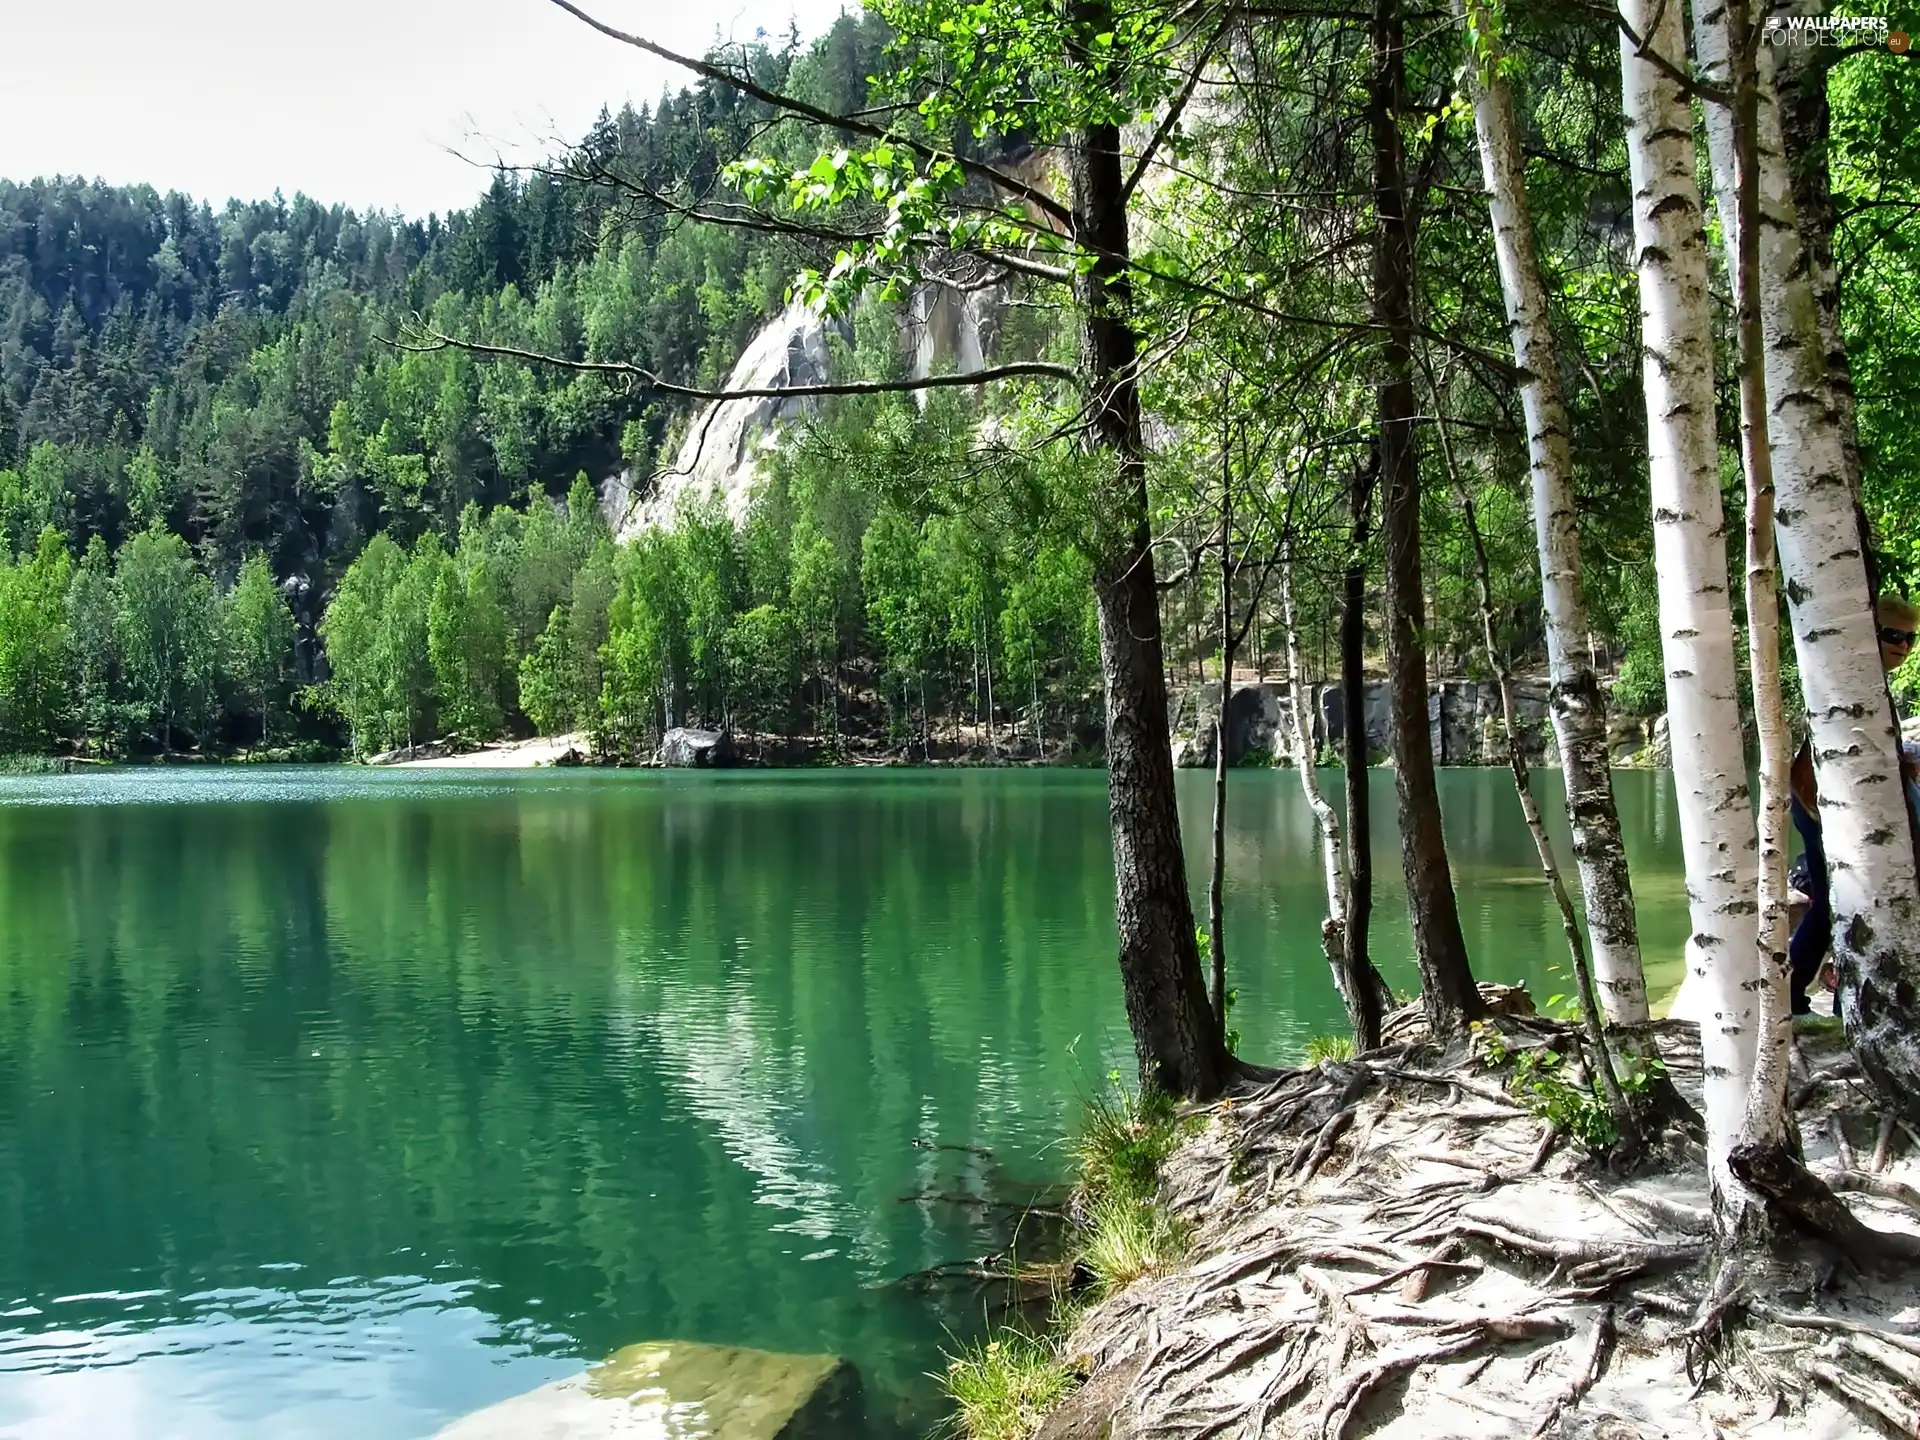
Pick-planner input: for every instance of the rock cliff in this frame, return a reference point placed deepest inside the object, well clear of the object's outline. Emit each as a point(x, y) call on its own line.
point(941, 328)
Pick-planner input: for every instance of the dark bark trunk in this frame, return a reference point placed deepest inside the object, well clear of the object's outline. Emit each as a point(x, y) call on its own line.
point(1175, 1038)
point(1217, 868)
point(1368, 996)
point(1446, 981)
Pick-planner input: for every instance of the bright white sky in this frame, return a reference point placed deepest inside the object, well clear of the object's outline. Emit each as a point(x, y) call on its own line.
point(353, 101)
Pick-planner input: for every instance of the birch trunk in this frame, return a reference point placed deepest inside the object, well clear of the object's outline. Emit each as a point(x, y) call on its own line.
point(1361, 989)
point(1856, 743)
point(1696, 619)
point(1590, 1012)
point(1738, 198)
point(1578, 706)
point(1806, 124)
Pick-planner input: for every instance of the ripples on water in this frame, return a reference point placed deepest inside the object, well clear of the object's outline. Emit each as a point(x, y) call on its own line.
point(573, 1061)
point(248, 1361)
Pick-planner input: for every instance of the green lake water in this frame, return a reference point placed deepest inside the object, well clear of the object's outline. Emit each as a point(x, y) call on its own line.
point(345, 1102)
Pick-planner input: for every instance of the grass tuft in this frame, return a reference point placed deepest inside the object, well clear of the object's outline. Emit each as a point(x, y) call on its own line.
point(1124, 1137)
point(1003, 1388)
point(1127, 1237)
point(1329, 1047)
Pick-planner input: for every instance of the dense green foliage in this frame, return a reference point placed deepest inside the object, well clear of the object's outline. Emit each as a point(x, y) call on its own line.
point(232, 410)
point(199, 404)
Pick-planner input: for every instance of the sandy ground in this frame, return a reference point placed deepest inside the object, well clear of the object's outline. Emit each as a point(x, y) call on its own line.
point(1394, 1248)
point(506, 755)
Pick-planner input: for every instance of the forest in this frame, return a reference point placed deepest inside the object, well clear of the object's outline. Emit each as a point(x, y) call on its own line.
point(1357, 348)
point(235, 392)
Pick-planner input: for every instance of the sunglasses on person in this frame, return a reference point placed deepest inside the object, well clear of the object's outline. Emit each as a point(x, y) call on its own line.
point(1898, 637)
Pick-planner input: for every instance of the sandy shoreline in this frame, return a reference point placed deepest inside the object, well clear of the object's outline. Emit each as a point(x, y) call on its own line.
point(505, 755)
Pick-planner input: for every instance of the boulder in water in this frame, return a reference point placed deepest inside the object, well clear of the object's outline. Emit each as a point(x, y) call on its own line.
point(674, 1388)
point(682, 748)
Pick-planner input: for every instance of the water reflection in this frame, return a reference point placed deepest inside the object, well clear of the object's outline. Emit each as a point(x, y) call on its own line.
point(578, 1061)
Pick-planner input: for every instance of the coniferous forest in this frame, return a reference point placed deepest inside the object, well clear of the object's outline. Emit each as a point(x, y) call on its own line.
point(243, 512)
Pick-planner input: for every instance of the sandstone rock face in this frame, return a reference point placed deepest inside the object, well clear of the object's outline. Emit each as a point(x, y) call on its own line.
point(677, 1390)
point(685, 749)
point(719, 458)
point(1463, 722)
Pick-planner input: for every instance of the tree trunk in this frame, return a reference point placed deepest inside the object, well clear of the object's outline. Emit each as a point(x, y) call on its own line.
point(1578, 705)
point(986, 649)
point(1175, 1038)
point(1353, 741)
point(1765, 1122)
point(1690, 559)
point(1806, 124)
point(1217, 867)
point(1446, 981)
point(1033, 674)
point(1361, 989)
point(1586, 990)
point(1856, 743)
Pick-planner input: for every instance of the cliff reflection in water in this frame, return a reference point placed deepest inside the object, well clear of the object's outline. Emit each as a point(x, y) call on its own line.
point(334, 1098)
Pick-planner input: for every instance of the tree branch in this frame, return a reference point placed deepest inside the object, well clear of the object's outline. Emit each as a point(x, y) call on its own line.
point(1171, 119)
point(1016, 370)
point(722, 76)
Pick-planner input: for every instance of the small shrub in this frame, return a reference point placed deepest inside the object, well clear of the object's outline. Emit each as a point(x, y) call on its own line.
point(1576, 1107)
point(1002, 1388)
point(1329, 1047)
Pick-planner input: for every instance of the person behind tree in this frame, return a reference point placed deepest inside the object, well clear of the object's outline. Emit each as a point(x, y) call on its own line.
point(1898, 622)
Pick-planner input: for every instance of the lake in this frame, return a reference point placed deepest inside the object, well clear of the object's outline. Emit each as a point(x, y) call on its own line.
point(342, 1100)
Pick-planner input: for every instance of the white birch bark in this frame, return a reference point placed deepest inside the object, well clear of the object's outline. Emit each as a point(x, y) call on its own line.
point(1856, 742)
point(1799, 85)
point(1696, 619)
point(1738, 197)
point(1577, 705)
point(1333, 862)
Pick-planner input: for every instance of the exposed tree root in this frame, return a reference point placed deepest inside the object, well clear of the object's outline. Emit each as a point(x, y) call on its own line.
point(1393, 1246)
point(1801, 1197)
point(1599, 1339)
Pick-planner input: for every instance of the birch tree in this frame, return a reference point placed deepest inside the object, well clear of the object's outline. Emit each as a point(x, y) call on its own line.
point(1856, 742)
point(1362, 990)
point(1695, 615)
point(1764, 1121)
point(1577, 705)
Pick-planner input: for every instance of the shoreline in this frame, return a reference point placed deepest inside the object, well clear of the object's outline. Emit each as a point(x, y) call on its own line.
point(1397, 1245)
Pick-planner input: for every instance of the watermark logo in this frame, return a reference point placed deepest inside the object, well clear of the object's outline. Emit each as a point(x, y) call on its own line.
point(1848, 30)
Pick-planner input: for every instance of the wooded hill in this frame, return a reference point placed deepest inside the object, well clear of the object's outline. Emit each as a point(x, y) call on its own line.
point(230, 380)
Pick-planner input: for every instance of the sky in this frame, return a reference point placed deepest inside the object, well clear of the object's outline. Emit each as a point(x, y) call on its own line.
point(389, 104)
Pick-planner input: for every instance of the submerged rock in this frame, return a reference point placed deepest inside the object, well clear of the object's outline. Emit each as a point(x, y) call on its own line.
point(685, 749)
point(679, 1390)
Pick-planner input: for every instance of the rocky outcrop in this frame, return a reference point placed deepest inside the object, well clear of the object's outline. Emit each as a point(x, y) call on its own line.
point(681, 1388)
point(682, 748)
point(719, 457)
point(721, 452)
point(1463, 721)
